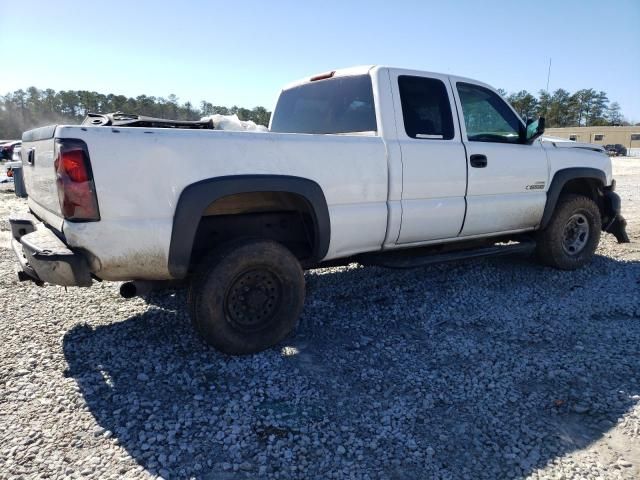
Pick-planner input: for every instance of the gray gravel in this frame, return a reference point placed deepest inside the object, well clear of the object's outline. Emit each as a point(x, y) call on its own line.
point(491, 369)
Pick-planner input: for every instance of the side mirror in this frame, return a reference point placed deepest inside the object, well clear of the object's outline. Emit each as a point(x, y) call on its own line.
point(534, 130)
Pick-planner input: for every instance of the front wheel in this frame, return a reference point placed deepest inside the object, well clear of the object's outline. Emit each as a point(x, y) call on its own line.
point(246, 296)
point(573, 233)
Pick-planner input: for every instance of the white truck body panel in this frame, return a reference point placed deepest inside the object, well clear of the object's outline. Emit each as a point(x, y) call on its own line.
point(562, 155)
point(352, 171)
point(383, 191)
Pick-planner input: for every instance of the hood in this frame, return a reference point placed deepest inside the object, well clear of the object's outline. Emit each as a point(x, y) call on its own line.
point(565, 143)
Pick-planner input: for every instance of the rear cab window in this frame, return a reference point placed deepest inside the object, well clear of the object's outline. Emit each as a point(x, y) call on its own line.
point(339, 105)
point(426, 109)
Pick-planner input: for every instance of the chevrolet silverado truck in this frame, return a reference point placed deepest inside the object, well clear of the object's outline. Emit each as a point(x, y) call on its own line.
point(378, 165)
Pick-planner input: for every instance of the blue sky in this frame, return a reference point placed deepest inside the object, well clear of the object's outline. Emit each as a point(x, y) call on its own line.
point(242, 52)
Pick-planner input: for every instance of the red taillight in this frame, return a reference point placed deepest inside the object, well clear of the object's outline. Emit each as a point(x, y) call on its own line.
point(74, 166)
point(76, 190)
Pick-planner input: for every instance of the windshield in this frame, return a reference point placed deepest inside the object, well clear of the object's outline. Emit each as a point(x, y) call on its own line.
point(336, 105)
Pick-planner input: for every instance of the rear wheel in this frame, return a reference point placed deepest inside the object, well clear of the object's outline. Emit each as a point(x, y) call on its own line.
point(572, 236)
point(246, 296)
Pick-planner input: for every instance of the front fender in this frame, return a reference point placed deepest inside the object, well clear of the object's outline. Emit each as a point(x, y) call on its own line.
point(558, 182)
point(612, 221)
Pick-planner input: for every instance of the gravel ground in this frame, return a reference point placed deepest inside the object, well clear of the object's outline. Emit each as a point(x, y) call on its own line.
point(490, 369)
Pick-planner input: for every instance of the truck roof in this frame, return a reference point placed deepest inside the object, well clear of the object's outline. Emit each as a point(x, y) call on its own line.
point(340, 72)
point(365, 69)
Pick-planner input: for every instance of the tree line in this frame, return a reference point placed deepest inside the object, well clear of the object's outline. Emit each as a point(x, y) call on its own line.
point(25, 109)
point(586, 107)
point(22, 110)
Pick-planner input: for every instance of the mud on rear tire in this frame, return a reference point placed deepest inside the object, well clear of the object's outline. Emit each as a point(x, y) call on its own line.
point(572, 235)
point(246, 296)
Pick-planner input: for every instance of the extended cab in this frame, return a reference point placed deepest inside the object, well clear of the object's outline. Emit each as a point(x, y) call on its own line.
point(372, 164)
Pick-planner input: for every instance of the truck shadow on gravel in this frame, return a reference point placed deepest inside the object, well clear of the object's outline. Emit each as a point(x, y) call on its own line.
point(488, 369)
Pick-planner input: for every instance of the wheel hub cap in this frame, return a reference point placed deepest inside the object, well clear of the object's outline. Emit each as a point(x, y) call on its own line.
point(253, 299)
point(576, 234)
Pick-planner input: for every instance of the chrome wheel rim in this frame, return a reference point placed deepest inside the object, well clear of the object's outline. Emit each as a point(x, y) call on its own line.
point(576, 234)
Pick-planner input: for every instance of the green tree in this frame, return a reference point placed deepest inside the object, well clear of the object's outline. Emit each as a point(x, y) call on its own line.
point(260, 115)
point(217, 109)
point(614, 114)
point(206, 108)
point(244, 114)
point(559, 111)
point(524, 103)
point(544, 102)
point(599, 108)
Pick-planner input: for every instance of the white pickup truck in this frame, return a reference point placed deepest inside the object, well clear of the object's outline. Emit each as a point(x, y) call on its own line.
point(372, 164)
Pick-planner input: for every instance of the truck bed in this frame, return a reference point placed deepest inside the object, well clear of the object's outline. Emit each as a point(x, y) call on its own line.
point(139, 174)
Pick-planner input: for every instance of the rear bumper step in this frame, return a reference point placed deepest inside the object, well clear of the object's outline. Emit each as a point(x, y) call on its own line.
point(43, 257)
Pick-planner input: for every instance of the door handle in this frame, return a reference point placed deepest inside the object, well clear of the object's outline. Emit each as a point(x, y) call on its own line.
point(478, 161)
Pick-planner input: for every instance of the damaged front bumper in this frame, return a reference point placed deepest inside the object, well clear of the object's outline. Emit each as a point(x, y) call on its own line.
point(44, 257)
point(613, 222)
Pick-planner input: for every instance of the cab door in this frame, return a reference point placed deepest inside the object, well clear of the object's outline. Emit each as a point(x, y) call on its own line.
point(508, 178)
point(434, 169)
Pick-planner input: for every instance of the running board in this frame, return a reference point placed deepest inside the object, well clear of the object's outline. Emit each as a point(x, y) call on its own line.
point(407, 258)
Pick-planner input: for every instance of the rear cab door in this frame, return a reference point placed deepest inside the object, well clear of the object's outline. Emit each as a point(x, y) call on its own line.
point(507, 180)
point(434, 169)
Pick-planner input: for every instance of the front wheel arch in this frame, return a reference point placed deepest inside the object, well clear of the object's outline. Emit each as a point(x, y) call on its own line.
point(590, 177)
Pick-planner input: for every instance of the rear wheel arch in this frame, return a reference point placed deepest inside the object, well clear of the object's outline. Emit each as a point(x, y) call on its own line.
point(196, 198)
point(583, 181)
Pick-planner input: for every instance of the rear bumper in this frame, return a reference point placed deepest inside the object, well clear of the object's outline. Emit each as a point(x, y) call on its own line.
point(614, 222)
point(44, 257)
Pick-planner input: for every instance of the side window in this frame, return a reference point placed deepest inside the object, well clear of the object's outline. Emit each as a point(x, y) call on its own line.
point(426, 109)
point(487, 117)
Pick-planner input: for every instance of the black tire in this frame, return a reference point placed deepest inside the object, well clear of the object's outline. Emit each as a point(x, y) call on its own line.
point(246, 296)
point(571, 237)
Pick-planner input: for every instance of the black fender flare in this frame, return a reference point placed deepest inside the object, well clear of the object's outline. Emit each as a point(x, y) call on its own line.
point(560, 179)
point(195, 198)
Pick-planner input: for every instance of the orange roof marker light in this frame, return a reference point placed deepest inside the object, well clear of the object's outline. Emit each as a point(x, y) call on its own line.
point(323, 76)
